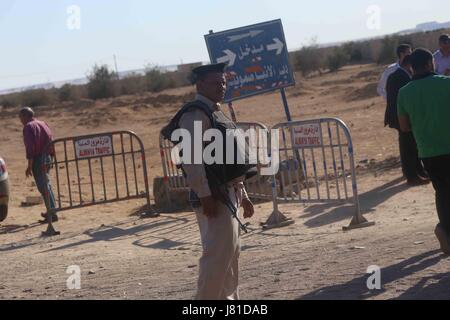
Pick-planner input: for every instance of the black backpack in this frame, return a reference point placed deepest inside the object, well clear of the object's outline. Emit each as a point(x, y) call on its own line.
point(217, 174)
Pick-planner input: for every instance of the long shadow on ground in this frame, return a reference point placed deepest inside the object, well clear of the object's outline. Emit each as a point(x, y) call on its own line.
point(160, 228)
point(322, 215)
point(357, 288)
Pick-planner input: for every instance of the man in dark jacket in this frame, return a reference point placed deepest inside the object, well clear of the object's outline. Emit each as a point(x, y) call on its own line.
point(411, 165)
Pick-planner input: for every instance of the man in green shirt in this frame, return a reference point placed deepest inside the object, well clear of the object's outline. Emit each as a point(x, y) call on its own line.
point(424, 109)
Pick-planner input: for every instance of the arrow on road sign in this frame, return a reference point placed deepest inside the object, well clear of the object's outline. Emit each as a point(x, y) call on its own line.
point(252, 33)
point(229, 58)
point(278, 45)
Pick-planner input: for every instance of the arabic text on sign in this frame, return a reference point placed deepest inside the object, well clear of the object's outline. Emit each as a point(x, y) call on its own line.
point(307, 135)
point(93, 147)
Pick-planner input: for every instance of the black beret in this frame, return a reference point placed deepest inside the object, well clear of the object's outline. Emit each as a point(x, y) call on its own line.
point(207, 69)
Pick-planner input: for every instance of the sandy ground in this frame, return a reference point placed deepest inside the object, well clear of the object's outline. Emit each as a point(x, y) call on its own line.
point(124, 257)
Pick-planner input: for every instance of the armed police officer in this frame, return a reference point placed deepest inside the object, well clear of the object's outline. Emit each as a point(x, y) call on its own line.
point(217, 190)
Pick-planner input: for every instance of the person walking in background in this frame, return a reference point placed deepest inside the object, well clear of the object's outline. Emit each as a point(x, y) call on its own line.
point(36, 136)
point(442, 56)
point(424, 108)
point(402, 51)
point(411, 165)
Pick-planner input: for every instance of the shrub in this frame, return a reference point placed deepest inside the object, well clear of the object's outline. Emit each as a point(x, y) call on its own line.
point(38, 97)
point(338, 59)
point(388, 50)
point(157, 81)
point(132, 84)
point(309, 58)
point(66, 93)
point(353, 51)
point(9, 101)
point(101, 83)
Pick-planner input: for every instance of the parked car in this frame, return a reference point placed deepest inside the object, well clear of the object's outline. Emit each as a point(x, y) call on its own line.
point(4, 190)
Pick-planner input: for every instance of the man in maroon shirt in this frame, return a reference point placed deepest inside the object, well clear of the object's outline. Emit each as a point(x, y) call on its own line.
point(36, 136)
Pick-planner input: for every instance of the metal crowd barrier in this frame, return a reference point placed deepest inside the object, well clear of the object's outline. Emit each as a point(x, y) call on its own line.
point(97, 169)
point(317, 165)
point(259, 186)
point(173, 175)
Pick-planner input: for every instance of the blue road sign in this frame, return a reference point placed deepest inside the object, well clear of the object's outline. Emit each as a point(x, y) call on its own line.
point(257, 58)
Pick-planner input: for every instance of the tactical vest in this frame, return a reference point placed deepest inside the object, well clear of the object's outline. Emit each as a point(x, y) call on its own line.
point(217, 174)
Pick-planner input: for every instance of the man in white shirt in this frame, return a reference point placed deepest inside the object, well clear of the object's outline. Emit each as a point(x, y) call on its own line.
point(403, 50)
point(442, 56)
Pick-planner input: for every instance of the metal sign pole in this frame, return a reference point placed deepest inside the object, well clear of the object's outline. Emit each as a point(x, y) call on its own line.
point(286, 105)
point(298, 159)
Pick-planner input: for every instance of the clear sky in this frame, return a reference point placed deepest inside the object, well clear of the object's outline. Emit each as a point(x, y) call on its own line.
point(37, 44)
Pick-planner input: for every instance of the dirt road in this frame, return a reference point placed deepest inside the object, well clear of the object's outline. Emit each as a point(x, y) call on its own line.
point(123, 257)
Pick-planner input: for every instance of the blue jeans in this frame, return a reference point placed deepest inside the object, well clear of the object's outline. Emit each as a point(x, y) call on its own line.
point(42, 179)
